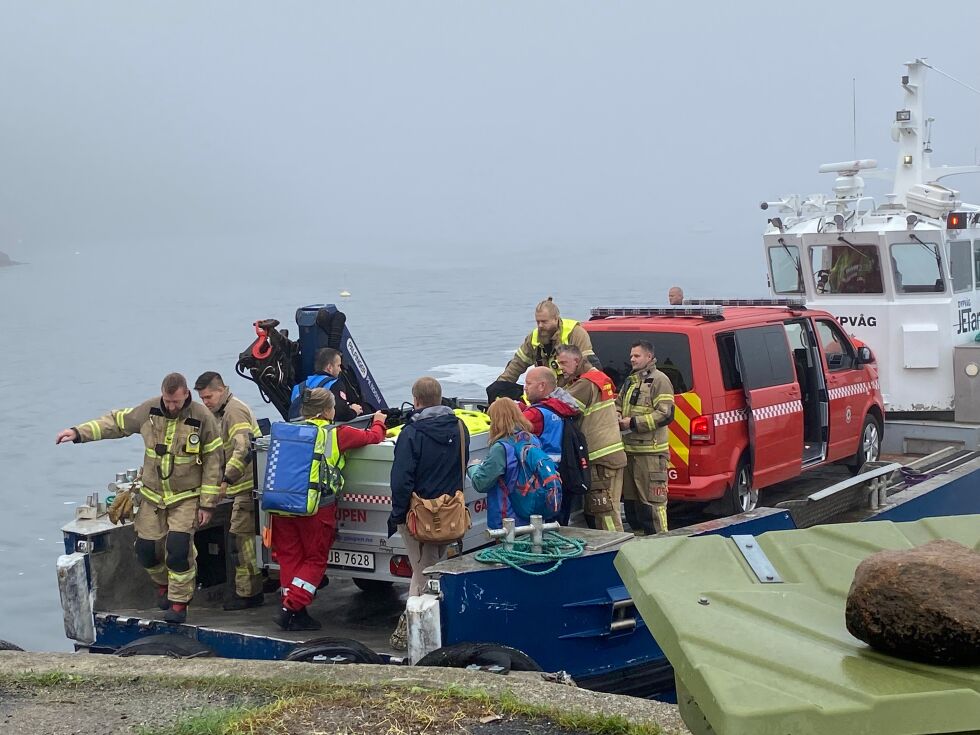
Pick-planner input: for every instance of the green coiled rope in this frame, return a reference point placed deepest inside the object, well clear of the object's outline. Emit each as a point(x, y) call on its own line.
point(554, 547)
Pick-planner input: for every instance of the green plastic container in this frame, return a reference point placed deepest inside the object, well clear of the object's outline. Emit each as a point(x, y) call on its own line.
point(774, 658)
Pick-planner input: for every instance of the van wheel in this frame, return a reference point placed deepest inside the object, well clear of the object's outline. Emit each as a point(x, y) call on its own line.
point(869, 448)
point(740, 495)
point(373, 586)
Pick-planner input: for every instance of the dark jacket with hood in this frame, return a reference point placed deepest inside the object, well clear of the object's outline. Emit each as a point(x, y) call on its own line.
point(427, 460)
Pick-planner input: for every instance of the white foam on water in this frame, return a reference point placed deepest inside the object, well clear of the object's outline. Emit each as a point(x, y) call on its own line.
point(465, 373)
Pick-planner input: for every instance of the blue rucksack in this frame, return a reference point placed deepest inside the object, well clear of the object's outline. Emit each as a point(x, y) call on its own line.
point(296, 397)
point(536, 484)
point(286, 487)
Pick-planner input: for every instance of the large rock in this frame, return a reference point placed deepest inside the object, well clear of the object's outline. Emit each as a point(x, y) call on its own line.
point(921, 604)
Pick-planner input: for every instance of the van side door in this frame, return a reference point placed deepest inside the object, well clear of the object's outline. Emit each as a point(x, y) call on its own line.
point(772, 397)
point(847, 386)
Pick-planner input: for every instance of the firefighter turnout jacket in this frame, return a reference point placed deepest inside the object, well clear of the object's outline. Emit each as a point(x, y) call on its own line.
point(183, 454)
point(238, 428)
point(647, 400)
point(595, 395)
point(535, 352)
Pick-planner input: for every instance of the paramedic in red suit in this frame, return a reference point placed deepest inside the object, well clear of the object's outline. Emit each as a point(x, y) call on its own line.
point(302, 543)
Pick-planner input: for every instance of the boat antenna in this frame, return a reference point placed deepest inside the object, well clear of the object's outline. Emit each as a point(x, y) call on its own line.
point(854, 114)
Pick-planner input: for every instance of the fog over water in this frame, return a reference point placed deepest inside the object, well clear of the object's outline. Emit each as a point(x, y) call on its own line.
point(171, 173)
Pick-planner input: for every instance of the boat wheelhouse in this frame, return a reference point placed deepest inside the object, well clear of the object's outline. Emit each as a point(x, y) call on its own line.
point(901, 275)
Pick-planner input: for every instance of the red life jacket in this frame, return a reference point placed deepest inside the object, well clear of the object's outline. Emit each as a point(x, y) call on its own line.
point(607, 391)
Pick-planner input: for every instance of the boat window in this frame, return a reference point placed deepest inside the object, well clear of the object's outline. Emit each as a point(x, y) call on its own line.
point(976, 262)
point(787, 273)
point(961, 266)
point(846, 268)
point(917, 267)
point(836, 347)
point(673, 353)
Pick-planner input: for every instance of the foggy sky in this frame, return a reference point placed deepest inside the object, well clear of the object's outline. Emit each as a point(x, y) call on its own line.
point(630, 128)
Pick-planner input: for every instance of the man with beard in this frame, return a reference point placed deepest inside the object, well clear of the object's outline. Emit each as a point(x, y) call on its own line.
point(541, 345)
point(180, 484)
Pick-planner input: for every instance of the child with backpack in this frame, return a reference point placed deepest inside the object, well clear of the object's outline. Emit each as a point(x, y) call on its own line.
point(519, 478)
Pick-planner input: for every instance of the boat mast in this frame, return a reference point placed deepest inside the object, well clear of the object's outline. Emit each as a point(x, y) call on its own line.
point(913, 158)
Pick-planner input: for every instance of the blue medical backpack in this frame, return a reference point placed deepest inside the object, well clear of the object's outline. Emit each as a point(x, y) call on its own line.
point(286, 487)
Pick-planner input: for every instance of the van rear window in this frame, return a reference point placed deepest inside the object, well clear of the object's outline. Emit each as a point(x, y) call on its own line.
point(673, 353)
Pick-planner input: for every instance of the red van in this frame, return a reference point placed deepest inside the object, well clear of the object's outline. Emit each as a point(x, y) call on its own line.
point(765, 389)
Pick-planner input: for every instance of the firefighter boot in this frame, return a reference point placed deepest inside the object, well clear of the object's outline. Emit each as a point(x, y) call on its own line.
point(162, 602)
point(177, 613)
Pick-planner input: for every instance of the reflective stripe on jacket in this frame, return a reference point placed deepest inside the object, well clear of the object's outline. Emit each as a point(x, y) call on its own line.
point(534, 352)
point(595, 395)
point(238, 428)
point(183, 457)
point(648, 401)
point(326, 457)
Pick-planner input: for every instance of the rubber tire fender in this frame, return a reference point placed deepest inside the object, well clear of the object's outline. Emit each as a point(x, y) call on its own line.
point(171, 645)
point(347, 650)
point(461, 655)
point(8, 646)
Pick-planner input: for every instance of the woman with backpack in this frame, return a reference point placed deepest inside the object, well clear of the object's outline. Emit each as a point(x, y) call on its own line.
point(517, 476)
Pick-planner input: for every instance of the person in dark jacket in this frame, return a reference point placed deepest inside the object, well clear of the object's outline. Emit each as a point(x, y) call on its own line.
point(327, 373)
point(428, 461)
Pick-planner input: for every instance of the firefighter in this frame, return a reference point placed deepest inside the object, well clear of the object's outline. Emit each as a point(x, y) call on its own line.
point(302, 543)
point(181, 470)
point(646, 408)
point(675, 296)
point(238, 428)
point(595, 394)
point(539, 347)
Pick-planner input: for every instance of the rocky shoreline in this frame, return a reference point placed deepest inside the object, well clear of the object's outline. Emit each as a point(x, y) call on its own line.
point(48, 693)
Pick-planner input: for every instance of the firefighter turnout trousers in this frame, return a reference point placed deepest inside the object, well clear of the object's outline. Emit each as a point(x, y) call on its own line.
point(165, 546)
point(248, 579)
point(645, 492)
point(603, 499)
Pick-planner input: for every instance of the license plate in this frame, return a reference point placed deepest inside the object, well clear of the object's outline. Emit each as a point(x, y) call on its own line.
point(351, 559)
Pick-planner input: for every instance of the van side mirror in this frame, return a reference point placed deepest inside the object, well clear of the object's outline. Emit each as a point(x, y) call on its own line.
point(864, 356)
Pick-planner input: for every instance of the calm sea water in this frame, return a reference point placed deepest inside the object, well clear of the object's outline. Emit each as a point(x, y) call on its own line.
point(84, 332)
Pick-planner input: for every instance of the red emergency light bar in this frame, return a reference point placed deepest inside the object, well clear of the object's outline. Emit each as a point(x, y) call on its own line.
point(705, 312)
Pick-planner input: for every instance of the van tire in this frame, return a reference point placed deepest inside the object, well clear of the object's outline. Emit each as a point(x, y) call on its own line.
point(740, 496)
point(869, 445)
point(373, 586)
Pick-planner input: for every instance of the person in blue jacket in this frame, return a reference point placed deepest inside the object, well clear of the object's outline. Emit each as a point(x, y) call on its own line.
point(495, 476)
point(327, 374)
point(427, 461)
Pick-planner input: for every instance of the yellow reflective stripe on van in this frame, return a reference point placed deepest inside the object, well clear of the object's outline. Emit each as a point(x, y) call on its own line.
point(680, 448)
point(96, 429)
point(212, 445)
point(681, 419)
point(121, 418)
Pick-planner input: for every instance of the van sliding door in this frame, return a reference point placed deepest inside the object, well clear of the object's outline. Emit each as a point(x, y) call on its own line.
point(772, 397)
